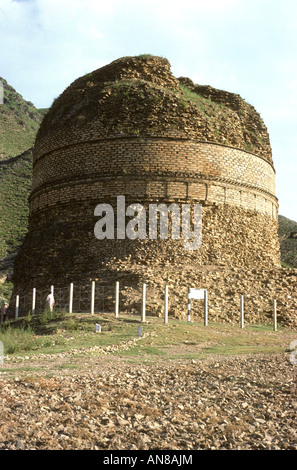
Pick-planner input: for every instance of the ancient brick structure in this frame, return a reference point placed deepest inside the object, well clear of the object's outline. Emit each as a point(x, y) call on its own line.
point(131, 128)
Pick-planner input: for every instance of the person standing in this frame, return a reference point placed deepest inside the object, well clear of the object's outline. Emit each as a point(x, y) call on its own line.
point(50, 301)
point(4, 311)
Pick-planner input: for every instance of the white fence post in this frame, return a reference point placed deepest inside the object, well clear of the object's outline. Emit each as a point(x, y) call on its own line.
point(189, 305)
point(241, 311)
point(205, 308)
point(71, 298)
point(143, 302)
point(17, 304)
point(33, 301)
point(93, 298)
point(166, 305)
point(117, 295)
point(274, 316)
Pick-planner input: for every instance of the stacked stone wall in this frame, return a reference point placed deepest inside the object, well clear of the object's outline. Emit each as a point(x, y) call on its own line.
point(66, 250)
point(225, 286)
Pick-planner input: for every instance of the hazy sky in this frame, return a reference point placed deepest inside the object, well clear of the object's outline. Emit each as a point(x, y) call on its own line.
point(247, 47)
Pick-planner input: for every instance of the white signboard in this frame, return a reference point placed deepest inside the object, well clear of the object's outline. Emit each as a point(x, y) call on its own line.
point(196, 293)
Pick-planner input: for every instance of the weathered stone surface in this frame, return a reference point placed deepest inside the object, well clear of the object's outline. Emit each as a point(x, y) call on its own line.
point(240, 403)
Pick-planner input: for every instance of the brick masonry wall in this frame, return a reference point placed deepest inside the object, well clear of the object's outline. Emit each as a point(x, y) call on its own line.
point(154, 168)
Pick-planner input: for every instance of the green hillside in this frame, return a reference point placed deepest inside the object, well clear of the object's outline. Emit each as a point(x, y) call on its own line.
point(15, 180)
point(19, 122)
point(287, 233)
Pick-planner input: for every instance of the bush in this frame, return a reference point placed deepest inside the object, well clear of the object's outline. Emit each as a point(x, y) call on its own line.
point(71, 325)
point(27, 320)
point(18, 339)
point(46, 316)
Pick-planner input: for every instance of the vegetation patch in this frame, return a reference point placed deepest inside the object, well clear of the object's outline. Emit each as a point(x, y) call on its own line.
point(177, 339)
point(19, 122)
point(287, 233)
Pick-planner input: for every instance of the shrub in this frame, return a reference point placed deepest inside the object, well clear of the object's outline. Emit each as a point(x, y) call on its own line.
point(18, 339)
point(71, 325)
point(46, 316)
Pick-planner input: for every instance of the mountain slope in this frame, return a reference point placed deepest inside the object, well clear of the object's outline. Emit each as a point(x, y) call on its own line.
point(287, 233)
point(19, 122)
point(15, 180)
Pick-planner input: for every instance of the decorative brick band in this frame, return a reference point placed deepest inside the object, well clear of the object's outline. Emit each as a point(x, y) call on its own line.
point(154, 168)
point(155, 187)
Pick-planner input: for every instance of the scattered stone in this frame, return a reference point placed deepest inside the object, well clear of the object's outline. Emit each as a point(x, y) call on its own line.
point(223, 403)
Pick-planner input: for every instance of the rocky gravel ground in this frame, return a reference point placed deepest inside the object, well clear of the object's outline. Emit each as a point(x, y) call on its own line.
point(237, 403)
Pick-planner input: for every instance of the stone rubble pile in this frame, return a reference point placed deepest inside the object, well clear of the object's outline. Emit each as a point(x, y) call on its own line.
point(225, 285)
point(236, 403)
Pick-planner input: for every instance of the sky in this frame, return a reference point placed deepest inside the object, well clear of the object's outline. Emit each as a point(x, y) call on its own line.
point(248, 47)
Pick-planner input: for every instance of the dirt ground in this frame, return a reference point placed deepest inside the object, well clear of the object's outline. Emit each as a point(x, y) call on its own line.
point(94, 400)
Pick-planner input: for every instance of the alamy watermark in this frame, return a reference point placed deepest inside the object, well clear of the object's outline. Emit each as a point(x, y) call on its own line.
point(1, 93)
point(144, 223)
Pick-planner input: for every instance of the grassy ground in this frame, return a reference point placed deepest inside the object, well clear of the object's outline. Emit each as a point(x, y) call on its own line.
point(63, 332)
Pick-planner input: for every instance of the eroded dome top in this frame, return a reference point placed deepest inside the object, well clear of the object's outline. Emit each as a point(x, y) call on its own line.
point(139, 96)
